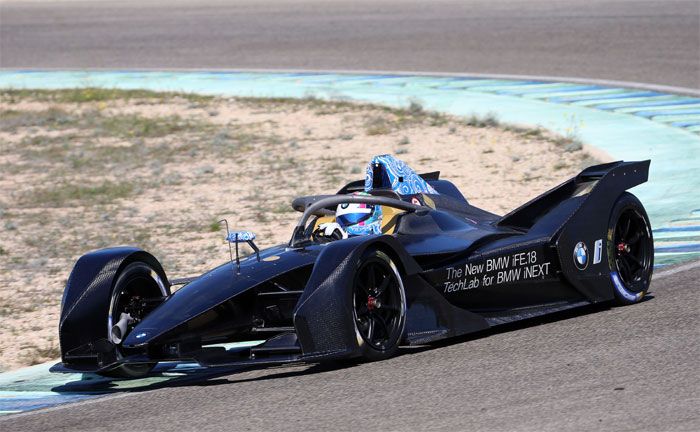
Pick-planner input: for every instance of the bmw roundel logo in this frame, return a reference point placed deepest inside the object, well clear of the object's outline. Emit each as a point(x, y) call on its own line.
point(581, 256)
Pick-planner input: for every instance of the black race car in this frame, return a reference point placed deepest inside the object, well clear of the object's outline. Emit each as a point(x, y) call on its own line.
point(437, 267)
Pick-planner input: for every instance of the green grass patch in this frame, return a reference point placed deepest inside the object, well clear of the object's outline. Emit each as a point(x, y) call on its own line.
point(136, 126)
point(52, 118)
point(122, 126)
point(95, 94)
point(232, 141)
point(46, 141)
point(63, 194)
point(214, 225)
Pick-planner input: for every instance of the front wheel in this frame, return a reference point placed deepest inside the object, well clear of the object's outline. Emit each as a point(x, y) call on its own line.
point(138, 282)
point(379, 306)
point(630, 249)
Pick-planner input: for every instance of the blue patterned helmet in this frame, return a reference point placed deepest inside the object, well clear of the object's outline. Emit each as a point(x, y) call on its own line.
point(359, 219)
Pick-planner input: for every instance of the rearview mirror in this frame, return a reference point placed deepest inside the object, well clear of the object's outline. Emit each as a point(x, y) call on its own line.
point(240, 236)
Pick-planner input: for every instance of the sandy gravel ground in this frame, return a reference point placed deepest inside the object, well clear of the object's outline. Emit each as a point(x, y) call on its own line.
point(85, 169)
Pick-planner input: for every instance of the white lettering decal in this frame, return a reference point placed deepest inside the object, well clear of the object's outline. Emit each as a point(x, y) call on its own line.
point(474, 269)
point(519, 266)
point(598, 251)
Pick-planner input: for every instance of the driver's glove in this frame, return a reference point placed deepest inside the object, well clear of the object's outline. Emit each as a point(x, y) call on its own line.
point(328, 229)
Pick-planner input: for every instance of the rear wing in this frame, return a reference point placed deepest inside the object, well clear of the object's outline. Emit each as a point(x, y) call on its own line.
point(606, 182)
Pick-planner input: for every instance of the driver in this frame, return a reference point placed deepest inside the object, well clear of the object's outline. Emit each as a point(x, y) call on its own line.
point(354, 220)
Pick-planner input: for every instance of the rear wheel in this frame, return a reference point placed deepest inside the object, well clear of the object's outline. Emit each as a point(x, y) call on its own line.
point(137, 282)
point(379, 306)
point(630, 249)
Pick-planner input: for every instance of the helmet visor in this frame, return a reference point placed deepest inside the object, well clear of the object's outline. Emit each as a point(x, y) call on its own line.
point(349, 219)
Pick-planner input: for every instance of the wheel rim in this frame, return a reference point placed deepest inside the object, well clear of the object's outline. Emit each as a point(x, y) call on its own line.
point(632, 247)
point(140, 284)
point(379, 303)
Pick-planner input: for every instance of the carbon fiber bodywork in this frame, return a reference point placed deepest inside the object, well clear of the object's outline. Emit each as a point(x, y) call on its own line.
point(463, 270)
point(83, 327)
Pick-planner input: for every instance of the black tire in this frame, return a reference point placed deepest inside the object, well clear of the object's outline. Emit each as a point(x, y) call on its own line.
point(379, 306)
point(630, 248)
point(136, 279)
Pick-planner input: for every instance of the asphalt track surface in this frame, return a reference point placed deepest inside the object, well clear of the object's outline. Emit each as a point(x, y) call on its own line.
point(654, 42)
point(622, 368)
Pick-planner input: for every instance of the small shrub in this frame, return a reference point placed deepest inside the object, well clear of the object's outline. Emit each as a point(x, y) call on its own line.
point(215, 226)
point(37, 354)
point(587, 160)
point(377, 126)
point(415, 107)
point(573, 145)
point(559, 165)
point(489, 120)
point(281, 208)
point(532, 133)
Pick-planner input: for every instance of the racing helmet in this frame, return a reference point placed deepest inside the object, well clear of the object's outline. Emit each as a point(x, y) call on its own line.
point(359, 219)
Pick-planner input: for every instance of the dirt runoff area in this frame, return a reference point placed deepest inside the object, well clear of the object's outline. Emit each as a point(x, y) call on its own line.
point(85, 169)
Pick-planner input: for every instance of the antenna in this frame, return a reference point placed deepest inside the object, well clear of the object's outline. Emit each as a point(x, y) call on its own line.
point(230, 252)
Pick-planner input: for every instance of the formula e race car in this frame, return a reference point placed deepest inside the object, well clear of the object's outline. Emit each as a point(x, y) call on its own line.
point(395, 259)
